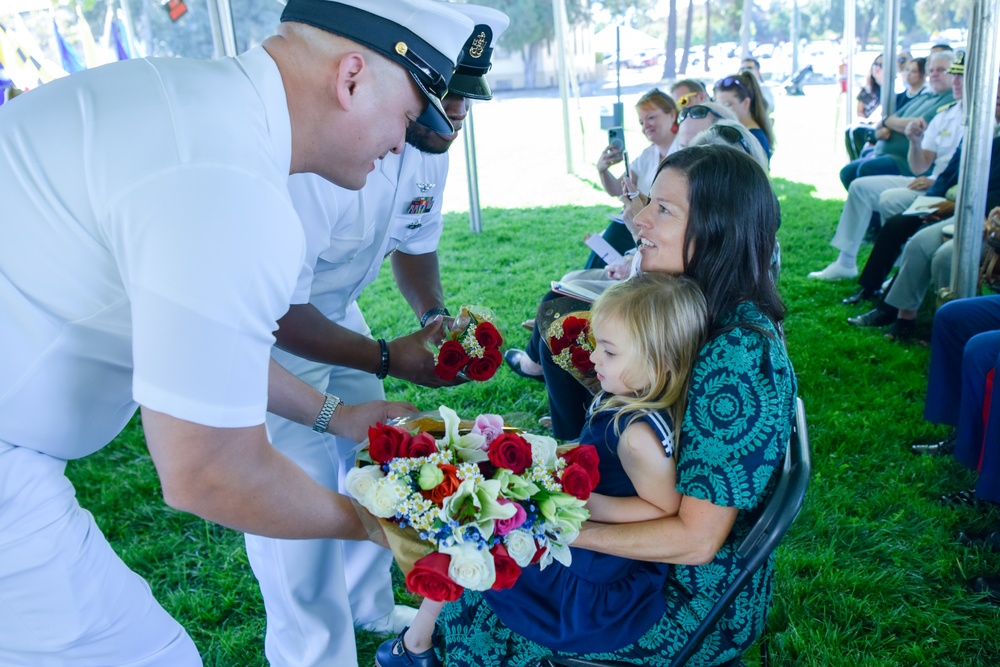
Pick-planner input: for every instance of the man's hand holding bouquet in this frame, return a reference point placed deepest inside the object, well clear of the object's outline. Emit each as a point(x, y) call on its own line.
point(471, 347)
point(468, 504)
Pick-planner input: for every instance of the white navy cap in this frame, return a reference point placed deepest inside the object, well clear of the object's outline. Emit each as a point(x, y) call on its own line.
point(469, 79)
point(423, 36)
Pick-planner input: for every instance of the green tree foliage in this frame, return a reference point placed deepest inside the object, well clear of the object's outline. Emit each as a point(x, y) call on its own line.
point(532, 24)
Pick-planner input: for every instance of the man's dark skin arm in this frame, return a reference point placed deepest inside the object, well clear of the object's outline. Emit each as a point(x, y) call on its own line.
point(305, 332)
point(419, 280)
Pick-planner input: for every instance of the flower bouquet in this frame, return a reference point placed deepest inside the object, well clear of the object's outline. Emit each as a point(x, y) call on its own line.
point(468, 504)
point(570, 339)
point(471, 347)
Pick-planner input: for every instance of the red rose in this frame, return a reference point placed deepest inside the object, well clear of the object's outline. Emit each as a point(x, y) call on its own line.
point(574, 326)
point(451, 359)
point(507, 568)
point(429, 578)
point(483, 368)
point(386, 442)
point(447, 486)
point(576, 481)
point(581, 360)
point(488, 336)
point(559, 344)
point(422, 444)
point(587, 457)
point(510, 451)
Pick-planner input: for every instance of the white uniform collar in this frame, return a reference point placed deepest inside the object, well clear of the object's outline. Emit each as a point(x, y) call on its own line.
point(263, 73)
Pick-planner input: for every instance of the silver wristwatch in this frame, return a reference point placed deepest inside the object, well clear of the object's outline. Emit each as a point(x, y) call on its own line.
point(323, 420)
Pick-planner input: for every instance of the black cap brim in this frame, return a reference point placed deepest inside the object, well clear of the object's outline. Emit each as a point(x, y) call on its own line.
point(470, 85)
point(434, 116)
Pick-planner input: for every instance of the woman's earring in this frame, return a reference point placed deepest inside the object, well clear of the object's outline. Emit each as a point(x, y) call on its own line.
point(675, 127)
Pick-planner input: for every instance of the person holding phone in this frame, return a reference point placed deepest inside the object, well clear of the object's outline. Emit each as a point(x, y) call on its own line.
point(658, 118)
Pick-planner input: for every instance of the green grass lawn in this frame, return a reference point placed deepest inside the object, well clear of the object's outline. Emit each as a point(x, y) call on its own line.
point(870, 574)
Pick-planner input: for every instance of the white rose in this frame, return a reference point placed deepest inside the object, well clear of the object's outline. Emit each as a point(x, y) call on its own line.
point(543, 449)
point(361, 481)
point(385, 498)
point(470, 566)
point(521, 546)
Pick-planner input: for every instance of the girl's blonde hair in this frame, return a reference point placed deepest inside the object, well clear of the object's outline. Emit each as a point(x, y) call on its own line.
point(665, 318)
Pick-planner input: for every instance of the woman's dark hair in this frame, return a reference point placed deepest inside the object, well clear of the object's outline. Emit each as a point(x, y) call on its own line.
point(872, 84)
point(921, 65)
point(745, 85)
point(733, 216)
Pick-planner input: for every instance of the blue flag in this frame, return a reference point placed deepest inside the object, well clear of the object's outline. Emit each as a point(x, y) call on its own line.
point(70, 60)
point(121, 47)
point(5, 83)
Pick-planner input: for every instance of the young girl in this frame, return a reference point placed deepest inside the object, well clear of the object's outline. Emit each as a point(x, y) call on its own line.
point(648, 331)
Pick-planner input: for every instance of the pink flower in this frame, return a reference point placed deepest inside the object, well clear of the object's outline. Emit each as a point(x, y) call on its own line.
point(504, 526)
point(488, 426)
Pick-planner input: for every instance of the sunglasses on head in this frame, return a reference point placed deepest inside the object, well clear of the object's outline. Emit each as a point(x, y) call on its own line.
point(877, 63)
point(903, 60)
point(732, 136)
point(697, 111)
point(734, 82)
point(685, 100)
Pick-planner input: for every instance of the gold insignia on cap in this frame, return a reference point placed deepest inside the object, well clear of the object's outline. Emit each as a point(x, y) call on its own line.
point(478, 45)
point(402, 48)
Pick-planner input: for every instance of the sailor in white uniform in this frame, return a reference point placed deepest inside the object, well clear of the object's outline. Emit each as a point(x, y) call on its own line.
point(125, 188)
point(314, 589)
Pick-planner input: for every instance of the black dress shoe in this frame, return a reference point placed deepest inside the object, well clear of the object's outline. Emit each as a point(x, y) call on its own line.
point(942, 448)
point(863, 294)
point(876, 317)
point(988, 584)
point(989, 540)
point(513, 358)
point(960, 499)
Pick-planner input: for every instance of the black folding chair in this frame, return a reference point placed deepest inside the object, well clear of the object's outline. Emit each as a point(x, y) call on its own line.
point(778, 514)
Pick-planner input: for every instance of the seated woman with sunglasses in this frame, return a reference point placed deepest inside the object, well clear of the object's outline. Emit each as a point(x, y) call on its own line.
point(689, 92)
point(658, 118)
point(742, 94)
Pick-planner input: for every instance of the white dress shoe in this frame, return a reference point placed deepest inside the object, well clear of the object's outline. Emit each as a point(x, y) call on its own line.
point(835, 271)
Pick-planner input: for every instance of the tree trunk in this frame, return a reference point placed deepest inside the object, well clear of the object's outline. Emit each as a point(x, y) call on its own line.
point(687, 36)
point(529, 54)
point(670, 62)
point(864, 30)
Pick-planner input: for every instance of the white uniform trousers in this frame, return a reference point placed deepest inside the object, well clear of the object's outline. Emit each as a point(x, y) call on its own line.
point(66, 598)
point(862, 201)
point(316, 591)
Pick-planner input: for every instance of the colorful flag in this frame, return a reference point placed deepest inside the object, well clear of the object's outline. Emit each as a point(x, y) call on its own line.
point(91, 54)
point(5, 83)
point(70, 60)
point(118, 38)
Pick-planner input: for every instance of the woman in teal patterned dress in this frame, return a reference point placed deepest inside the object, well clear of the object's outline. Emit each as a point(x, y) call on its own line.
point(712, 216)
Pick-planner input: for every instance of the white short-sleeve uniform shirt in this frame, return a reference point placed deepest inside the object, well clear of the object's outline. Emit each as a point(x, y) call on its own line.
point(398, 208)
point(942, 136)
point(149, 246)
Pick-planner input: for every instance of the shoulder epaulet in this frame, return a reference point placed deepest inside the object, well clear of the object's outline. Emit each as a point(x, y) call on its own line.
point(945, 107)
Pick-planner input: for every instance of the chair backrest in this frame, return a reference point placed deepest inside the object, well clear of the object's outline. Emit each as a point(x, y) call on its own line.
point(778, 514)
